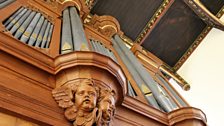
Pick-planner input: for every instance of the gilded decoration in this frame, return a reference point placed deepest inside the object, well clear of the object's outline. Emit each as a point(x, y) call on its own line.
point(86, 104)
point(196, 43)
point(81, 5)
point(90, 3)
point(205, 14)
point(106, 25)
point(153, 20)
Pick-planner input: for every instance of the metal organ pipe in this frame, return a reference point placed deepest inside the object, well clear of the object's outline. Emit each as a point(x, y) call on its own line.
point(24, 25)
point(100, 48)
point(30, 27)
point(45, 35)
point(66, 37)
point(14, 20)
point(78, 34)
point(4, 3)
point(162, 100)
point(72, 35)
point(11, 18)
point(20, 21)
point(136, 76)
point(40, 35)
point(49, 37)
point(131, 91)
point(36, 31)
point(171, 90)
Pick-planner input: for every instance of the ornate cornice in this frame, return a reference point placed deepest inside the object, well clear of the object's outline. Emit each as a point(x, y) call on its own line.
point(154, 20)
point(196, 43)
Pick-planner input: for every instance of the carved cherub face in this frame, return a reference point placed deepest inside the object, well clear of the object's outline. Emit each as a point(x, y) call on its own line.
point(107, 106)
point(86, 97)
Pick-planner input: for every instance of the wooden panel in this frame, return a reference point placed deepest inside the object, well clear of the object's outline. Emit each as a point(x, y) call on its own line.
point(26, 69)
point(174, 34)
point(132, 15)
point(8, 120)
point(127, 117)
point(26, 90)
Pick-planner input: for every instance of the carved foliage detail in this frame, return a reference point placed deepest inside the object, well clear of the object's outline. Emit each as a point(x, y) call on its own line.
point(86, 104)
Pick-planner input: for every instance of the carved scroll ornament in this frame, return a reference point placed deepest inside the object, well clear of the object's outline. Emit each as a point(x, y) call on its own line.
point(86, 104)
point(106, 25)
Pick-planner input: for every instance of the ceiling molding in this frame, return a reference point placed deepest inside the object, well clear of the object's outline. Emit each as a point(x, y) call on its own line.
point(195, 44)
point(205, 14)
point(154, 20)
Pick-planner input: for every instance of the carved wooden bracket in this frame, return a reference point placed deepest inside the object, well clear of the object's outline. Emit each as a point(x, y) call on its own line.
point(106, 25)
point(205, 14)
point(88, 92)
point(86, 103)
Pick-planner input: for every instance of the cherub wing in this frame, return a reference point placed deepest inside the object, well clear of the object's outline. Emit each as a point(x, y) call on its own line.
point(63, 96)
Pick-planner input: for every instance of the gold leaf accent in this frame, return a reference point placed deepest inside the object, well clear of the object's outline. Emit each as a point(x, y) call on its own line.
point(66, 46)
point(84, 47)
point(145, 90)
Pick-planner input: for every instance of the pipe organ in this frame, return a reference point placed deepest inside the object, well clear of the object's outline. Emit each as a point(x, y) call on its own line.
point(72, 35)
point(100, 48)
point(4, 3)
point(152, 90)
point(30, 27)
point(82, 72)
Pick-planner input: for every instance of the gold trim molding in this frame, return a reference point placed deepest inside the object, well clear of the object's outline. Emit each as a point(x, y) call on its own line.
point(205, 14)
point(196, 43)
point(153, 20)
point(106, 25)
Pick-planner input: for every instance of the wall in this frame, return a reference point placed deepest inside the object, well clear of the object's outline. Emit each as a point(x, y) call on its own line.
point(204, 70)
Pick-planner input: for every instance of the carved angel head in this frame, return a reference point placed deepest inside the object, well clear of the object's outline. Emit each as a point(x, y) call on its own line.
point(106, 106)
point(78, 98)
point(85, 95)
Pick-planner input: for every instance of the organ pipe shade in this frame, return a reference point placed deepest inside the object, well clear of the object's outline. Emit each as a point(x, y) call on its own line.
point(72, 34)
point(30, 27)
point(4, 3)
point(137, 70)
